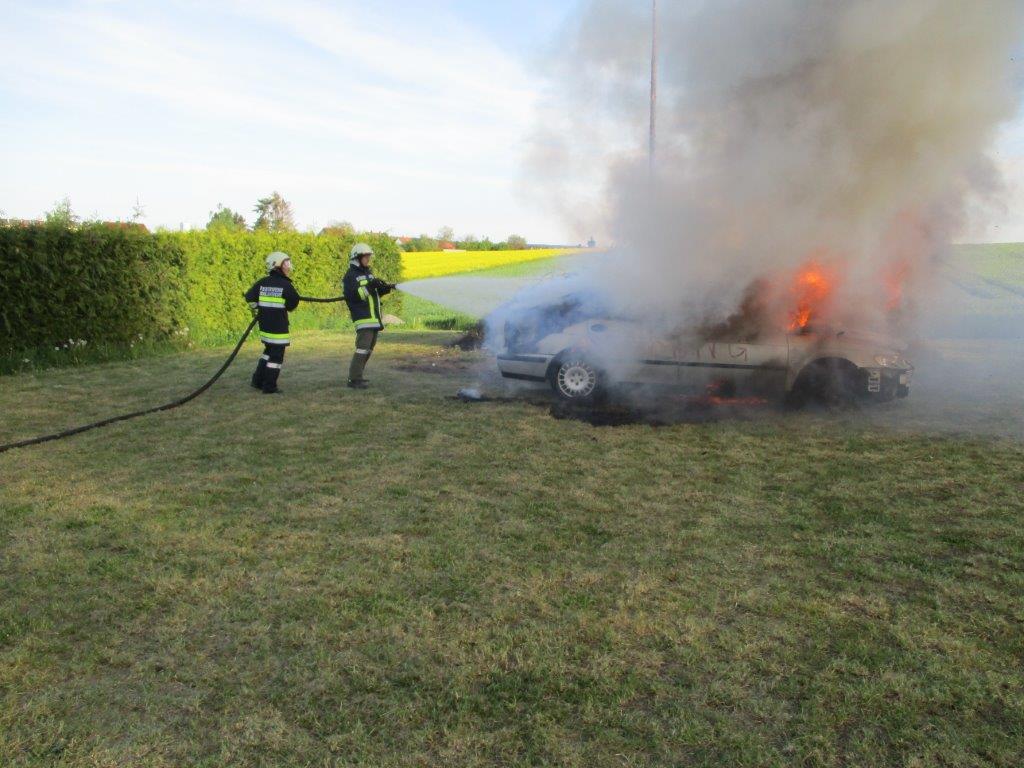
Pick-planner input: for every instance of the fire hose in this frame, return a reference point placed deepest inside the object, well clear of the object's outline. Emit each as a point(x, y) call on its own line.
point(155, 409)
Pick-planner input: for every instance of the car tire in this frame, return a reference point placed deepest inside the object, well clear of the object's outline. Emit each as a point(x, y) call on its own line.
point(576, 379)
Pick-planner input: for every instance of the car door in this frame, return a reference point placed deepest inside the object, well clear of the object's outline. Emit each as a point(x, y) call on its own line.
point(660, 358)
point(761, 365)
point(729, 367)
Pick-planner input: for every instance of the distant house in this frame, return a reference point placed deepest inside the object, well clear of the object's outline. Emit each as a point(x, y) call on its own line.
point(426, 242)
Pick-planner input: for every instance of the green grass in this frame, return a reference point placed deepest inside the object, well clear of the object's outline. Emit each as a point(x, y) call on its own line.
point(1002, 261)
point(420, 314)
point(77, 354)
point(392, 578)
point(990, 277)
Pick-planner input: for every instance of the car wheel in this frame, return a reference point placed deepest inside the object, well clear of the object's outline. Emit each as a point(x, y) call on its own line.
point(576, 379)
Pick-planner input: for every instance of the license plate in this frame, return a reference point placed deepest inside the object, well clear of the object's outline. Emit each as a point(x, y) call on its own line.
point(874, 381)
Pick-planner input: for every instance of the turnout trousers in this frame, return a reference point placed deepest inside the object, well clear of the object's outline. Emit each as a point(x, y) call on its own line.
point(366, 340)
point(269, 367)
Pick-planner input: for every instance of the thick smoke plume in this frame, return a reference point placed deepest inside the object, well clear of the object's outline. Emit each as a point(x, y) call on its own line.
point(845, 137)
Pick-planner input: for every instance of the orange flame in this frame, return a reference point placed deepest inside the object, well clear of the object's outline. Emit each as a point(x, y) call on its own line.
point(812, 289)
point(716, 393)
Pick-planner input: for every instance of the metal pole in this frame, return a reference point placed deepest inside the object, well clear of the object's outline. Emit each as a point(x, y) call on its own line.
point(654, 82)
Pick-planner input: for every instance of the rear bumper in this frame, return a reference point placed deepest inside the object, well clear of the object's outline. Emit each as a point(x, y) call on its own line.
point(524, 367)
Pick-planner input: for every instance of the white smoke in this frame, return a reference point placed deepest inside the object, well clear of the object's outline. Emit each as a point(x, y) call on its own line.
point(850, 132)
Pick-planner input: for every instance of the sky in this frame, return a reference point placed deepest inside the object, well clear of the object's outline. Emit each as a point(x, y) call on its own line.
point(396, 115)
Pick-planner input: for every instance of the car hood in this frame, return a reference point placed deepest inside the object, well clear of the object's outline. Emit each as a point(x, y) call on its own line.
point(876, 342)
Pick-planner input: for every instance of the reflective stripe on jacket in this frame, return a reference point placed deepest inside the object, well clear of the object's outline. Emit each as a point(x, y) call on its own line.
point(273, 297)
point(362, 292)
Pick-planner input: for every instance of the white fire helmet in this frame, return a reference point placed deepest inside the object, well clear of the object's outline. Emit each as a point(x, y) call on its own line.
point(276, 260)
point(359, 249)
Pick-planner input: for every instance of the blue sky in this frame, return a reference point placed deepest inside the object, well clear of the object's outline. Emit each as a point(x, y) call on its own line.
point(396, 115)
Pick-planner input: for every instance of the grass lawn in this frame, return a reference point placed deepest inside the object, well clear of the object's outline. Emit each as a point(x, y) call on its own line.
point(392, 578)
point(999, 261)
point(421, 314)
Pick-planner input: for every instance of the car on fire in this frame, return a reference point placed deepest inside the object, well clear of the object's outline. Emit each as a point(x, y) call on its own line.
point(582, 356)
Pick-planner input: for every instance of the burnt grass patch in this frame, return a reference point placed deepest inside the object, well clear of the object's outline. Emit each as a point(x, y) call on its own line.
point(679, 411)
point(621, 413)
point(471, 340)
point(443, 361)
point(651, 406)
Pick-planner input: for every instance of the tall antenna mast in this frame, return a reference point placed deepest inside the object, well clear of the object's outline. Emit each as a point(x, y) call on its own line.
point(654, 82)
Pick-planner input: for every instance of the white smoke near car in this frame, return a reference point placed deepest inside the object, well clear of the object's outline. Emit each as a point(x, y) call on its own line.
point(815, 158)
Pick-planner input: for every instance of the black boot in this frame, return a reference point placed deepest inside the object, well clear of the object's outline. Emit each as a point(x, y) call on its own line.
point(270, 378)
point(259, 374)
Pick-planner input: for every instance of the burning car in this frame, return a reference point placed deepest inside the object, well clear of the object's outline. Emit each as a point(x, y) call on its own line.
point(583, 354)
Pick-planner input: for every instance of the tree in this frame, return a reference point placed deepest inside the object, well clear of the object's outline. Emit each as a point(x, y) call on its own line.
point(340, 228)
point(225, 218)
point(516, 242)
point(274, 214)
point(138, 212)
point(446, 234)
point(471, 243)
point(61, 215)
point(421, 243)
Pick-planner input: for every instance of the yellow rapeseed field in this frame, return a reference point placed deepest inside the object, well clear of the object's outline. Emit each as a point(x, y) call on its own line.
point(416, 266)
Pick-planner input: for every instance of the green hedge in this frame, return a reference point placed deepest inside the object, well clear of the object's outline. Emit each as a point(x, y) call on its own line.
point(220, 266)
point(118, 286)
point(101, 284)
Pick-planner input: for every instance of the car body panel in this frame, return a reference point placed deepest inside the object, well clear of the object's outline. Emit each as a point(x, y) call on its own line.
point(631, 353)
point(524, 367)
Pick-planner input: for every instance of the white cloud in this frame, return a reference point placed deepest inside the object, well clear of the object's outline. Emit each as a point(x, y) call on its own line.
point(350, 114)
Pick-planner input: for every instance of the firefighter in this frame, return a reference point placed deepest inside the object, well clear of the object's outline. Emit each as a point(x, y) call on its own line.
point(363, 292)
point(272, 298)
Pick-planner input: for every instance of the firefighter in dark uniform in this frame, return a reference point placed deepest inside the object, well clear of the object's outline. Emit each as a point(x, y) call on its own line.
point(272, 298)
point(363, 292)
